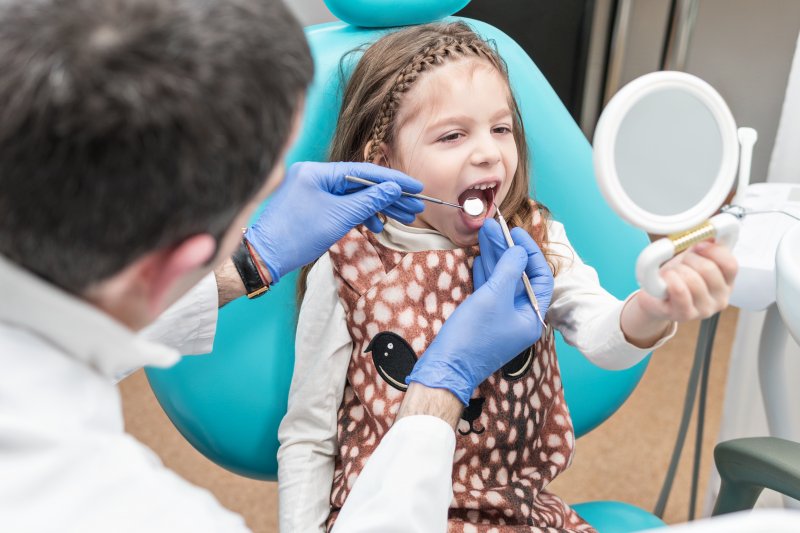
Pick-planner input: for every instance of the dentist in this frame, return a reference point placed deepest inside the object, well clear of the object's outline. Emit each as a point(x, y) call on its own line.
point(137, 137)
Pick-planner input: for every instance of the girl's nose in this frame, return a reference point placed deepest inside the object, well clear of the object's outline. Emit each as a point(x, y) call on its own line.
point(486, 152)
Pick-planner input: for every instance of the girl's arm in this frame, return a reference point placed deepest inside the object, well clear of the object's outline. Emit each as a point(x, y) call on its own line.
point(589, 317)
point(308, 431)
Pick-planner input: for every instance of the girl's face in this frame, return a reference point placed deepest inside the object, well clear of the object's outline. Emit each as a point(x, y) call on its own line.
point(454, 134)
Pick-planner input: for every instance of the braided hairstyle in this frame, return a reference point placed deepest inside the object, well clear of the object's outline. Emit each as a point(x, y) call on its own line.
point(375, 92)
point(444, 48)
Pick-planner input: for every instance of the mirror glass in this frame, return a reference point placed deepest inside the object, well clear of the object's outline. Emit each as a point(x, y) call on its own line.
point(668, 151)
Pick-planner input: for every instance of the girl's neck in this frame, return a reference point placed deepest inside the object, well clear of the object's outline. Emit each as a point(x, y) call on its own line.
point(412, 238)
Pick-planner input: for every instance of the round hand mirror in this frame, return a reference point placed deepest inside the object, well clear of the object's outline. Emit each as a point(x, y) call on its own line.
point(665, 154)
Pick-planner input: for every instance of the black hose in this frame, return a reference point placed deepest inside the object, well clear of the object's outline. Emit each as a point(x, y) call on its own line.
point(707, 329)
point(710, 326)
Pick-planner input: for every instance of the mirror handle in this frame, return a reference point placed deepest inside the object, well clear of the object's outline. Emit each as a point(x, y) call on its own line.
point(724, 227)
point(647, 267)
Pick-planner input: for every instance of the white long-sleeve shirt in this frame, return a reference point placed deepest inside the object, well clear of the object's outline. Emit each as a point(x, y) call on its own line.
point(587, 316)
point(66, 463)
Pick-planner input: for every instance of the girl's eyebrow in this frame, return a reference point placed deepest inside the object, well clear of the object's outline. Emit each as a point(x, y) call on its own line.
point(506, 111)
point(449, 119)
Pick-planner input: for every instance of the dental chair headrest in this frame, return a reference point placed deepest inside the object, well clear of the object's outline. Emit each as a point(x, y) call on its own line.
point(388, 13)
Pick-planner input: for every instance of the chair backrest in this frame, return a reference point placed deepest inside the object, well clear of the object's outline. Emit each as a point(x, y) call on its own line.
point(229, 404)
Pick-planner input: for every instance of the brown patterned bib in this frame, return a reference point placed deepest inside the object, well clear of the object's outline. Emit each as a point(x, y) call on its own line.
point(516, 434)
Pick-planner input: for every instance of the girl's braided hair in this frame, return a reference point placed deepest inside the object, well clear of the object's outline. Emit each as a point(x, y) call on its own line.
point(444, 48)
point(386, 71)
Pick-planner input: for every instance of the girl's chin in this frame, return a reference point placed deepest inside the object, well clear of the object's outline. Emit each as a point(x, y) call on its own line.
point(464, 238)
point(462, 235)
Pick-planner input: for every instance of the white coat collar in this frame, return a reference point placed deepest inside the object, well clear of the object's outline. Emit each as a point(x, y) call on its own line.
point(75, 326)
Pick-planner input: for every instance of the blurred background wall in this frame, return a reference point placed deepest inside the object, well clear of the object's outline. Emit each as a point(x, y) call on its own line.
point(588, 49)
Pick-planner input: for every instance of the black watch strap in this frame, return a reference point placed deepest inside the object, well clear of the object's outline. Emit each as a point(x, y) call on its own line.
point(246, 266)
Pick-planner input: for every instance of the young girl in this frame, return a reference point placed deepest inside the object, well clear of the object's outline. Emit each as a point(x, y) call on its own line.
point(434, 101)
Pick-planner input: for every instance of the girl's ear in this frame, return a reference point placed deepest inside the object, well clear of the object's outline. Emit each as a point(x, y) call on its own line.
point(381, 156)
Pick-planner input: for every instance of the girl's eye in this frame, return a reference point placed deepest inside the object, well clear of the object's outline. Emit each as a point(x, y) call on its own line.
point(451, 137)
point(501, 130)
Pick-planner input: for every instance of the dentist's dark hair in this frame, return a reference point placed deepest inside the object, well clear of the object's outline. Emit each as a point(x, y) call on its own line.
point(128, 126)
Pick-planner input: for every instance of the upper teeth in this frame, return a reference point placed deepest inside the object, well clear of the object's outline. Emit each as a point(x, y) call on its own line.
point(484, 186)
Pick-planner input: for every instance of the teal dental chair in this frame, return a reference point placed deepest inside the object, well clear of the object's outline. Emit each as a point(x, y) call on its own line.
point(229, 404)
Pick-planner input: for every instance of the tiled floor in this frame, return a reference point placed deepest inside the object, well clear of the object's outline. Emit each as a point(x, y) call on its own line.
point(625, 459)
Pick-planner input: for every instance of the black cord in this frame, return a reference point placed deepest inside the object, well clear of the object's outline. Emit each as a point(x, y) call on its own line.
point(705, 342)
point(688, 408)
point(708, 332)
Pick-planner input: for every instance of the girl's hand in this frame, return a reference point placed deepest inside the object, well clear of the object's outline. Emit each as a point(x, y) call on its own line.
point(495, 323)
point(699, 283)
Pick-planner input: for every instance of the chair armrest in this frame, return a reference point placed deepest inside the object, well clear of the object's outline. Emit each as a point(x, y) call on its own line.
point(748, 466)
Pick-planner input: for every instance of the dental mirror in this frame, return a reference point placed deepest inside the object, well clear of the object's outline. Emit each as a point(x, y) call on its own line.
point(666, 151)
point(473, 206)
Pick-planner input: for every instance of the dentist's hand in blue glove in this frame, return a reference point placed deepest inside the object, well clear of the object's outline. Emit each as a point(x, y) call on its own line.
point(493, 243)
point(493, 324)
point(316, 206)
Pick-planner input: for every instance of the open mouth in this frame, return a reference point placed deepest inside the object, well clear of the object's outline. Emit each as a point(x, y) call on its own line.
point(478, 200)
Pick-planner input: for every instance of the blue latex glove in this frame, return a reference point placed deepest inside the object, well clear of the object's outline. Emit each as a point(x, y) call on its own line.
point(495, 323)
point(493, 243)
point(315, 207)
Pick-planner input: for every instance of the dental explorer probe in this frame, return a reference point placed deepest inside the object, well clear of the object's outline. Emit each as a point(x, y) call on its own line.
point(525, 280)
point(425, 197)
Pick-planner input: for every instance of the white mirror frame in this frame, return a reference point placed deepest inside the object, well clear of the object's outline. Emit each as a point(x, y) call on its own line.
point(605, 142)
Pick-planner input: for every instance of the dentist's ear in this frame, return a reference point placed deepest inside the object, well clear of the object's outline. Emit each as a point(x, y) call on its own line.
point(171, 271)
point(381, 157)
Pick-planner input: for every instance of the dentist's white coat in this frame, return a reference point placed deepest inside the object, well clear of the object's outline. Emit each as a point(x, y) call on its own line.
point(66, 463)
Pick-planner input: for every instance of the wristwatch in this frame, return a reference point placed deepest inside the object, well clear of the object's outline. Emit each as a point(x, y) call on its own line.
point(249, 270)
